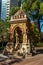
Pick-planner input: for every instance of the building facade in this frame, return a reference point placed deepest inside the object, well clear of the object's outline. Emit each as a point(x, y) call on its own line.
point(6, 6)
point(13, 3)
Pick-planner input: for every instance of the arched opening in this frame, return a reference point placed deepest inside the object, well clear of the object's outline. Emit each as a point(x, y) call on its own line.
point(18, 37)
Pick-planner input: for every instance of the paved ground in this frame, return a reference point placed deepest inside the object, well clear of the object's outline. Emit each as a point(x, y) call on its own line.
point(35, 60)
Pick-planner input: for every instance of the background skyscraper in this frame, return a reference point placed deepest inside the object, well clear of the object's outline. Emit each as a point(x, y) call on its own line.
point(6, 6)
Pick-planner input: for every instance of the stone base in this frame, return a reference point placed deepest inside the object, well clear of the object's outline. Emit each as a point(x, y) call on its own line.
point(9, 48)
point(25, 47)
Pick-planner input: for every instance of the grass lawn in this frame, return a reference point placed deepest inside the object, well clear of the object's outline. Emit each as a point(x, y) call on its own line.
point(40, 44)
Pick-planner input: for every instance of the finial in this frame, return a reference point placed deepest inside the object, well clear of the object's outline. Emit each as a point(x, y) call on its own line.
point(21, 6)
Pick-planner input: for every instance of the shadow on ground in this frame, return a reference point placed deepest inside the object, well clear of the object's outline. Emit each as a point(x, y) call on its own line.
point(16, 60)
point(39, 51)
point(13, 61)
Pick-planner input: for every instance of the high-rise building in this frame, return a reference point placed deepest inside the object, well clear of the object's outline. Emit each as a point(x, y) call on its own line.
point(6, 6)
point(13, 3)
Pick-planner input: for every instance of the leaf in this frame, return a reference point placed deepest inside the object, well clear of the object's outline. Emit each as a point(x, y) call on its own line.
point(41, 8)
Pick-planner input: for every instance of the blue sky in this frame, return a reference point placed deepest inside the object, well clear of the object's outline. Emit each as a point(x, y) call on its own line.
point(41, 20)
point(41, 25)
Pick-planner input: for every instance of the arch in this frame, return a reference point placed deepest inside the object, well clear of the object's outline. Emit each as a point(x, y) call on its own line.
point(18, 36)
point(16, 27)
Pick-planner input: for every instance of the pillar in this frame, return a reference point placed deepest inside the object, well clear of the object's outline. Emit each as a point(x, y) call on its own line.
point(17, 39)
point(11, 37)
point(28, 46)
point(26, 43)
point(24, 38)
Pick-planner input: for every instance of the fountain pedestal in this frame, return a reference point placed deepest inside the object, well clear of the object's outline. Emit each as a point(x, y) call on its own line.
point(10, 46)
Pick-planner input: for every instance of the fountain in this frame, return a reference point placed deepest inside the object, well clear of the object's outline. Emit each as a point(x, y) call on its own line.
point(9, 47)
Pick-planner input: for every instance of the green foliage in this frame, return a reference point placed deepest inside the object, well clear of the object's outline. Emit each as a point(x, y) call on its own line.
point(34, 6)
point(4, 25)
point(30, 6)
point(26, 5)
point(40, 45)
point(41, 8)
point(13, 10)
point(34, 33)
point(42, 35)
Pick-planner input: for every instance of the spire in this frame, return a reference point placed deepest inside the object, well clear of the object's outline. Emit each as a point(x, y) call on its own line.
point(21, 6)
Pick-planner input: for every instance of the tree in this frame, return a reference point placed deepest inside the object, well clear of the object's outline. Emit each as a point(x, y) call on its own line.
point(38, 6)
point(41, 36)
point(3, 30)
point(34, 33)
point(41, 8)
point(26, 5)
point(34, 9)
point(31, 6)
point(13, 10)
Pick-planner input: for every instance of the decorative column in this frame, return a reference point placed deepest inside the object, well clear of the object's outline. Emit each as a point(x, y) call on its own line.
point(9, 47)
point(10, 36)
point(28, 46)
point(17, 39)
point(24, 38)
point(26, 43)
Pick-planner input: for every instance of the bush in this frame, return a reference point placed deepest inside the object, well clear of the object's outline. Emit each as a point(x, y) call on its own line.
point(40, 44)
point(1, 48)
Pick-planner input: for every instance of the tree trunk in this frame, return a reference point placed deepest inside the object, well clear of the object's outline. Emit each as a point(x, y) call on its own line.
point(39, 30)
